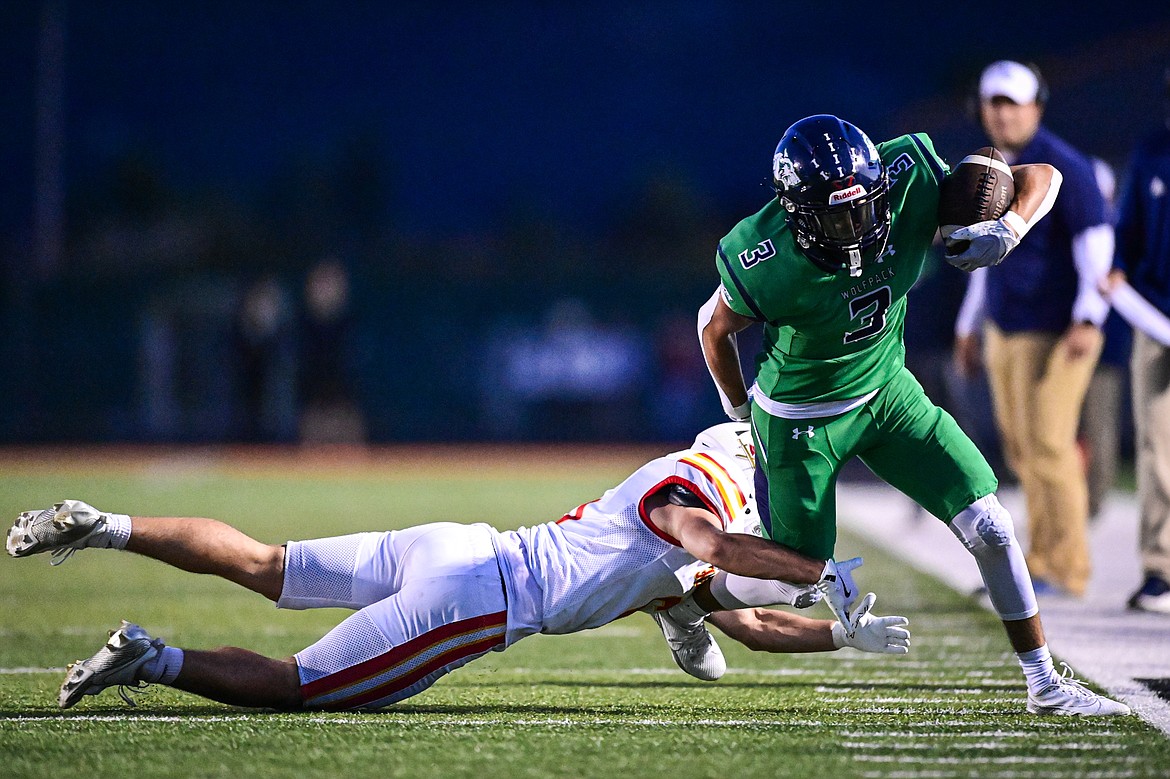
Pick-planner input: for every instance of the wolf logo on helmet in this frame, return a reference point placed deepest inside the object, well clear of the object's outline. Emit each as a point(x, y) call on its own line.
point(783, 171)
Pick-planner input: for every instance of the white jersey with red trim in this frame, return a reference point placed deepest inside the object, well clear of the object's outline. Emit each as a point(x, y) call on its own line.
point(605, 558)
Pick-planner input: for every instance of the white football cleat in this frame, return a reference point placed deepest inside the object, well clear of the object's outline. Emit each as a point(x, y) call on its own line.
point(693, 647)
point(61, 530)
point(1068, 697)
point(115, 664)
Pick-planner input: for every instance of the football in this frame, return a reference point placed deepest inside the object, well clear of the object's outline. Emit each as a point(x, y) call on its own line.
point(979, 188)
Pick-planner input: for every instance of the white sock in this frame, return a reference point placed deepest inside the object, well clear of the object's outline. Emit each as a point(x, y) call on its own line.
point(728, 596)
point(163, 667)
point(113, 535)
point(1039, 671)
point(733, 591)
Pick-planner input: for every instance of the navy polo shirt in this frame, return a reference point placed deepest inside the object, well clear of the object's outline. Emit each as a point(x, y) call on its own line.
point(1035, 287)
point(1143, 221)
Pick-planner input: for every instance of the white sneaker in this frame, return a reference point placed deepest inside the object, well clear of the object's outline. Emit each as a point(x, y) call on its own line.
point(1158, 604)
point(116, 663)
point(693, 647)
point(1068, 697)
point(1154, 596)
point(61, 530)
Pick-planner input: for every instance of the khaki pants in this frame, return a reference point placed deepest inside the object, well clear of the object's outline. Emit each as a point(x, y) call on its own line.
point(1037, 392)
point(1150, 368)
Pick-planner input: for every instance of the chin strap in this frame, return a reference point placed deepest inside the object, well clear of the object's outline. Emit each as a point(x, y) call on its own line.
point(854, 262)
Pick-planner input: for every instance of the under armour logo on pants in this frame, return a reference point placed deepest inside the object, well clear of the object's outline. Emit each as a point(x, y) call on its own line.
point(797, 432)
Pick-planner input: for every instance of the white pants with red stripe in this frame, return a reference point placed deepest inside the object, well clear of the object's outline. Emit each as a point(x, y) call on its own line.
point(430, 599)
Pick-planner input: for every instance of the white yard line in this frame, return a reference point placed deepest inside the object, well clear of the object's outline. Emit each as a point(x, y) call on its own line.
point(388, 719)
point(1096, 635)
point(1049, 773)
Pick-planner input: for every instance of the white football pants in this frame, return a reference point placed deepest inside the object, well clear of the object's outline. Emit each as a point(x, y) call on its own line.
point(430, 600)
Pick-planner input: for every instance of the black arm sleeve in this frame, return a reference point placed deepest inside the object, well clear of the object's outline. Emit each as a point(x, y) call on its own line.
point(681, 496)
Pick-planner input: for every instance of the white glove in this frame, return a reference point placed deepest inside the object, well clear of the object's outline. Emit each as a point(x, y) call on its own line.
point(808, 596)
point(884, 635)
point(986, 244)
point(837, 585)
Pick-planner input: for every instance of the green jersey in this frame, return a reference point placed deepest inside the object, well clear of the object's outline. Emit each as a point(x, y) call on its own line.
point(832, 337)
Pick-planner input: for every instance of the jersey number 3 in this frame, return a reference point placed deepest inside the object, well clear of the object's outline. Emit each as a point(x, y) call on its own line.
point(762, 251)
point(869, 311)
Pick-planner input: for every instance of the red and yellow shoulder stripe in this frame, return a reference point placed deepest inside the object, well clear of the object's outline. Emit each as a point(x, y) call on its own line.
point(730, 493)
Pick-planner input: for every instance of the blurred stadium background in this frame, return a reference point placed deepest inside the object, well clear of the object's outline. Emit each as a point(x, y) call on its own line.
point(423, 221)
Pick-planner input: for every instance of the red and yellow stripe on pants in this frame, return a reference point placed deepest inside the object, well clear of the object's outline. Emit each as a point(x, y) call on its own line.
point(409, 667)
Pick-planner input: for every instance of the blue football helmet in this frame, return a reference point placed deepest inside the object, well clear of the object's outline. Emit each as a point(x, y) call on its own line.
point(834, 186)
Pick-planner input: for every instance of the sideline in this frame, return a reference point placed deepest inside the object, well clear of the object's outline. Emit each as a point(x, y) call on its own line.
point(1125, 652)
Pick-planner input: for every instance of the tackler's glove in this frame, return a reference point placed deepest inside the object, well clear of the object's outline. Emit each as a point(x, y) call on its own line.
point(836, 583)
point(886, 635)
point(980, 245)
point(807, 596)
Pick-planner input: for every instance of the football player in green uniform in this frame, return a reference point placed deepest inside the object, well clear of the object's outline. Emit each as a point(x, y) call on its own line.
point(826, 266)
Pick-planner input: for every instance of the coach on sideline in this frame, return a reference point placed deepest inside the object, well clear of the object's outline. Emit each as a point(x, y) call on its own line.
point(1042, 335)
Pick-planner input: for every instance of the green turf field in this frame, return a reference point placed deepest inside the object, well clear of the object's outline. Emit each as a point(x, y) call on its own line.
point(605, 703)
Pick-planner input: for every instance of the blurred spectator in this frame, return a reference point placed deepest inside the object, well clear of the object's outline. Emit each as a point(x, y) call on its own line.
point(1043, 334)
point(682, 387)
point(329, 413)
point(157, 370)
point(1101, 415)
point(1143, 257)
point(264, 363)
point(576, 379)
point(184, 329)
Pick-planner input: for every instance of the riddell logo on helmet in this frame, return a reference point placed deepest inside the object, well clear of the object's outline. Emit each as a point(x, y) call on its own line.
point(845, 195)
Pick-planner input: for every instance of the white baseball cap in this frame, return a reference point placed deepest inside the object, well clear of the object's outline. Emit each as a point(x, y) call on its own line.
point(1009, 79)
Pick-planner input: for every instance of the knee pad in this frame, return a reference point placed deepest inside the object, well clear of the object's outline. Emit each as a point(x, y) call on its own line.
point(983, 524)
point(986, 529)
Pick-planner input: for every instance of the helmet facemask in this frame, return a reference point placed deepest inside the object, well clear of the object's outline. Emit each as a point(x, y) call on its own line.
point(838, 235)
